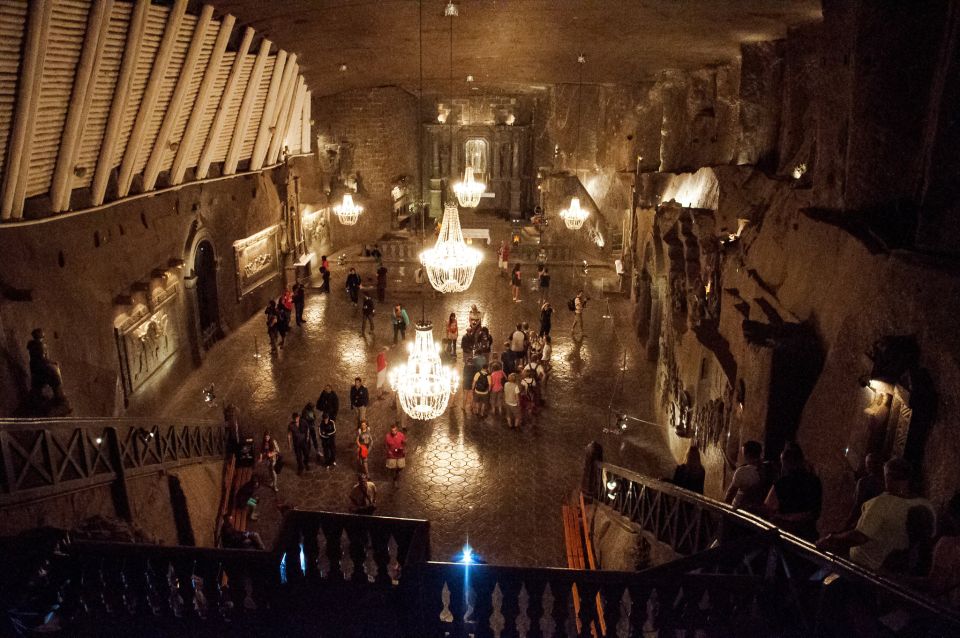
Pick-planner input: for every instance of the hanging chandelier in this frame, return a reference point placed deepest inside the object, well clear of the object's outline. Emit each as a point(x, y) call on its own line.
point(347, 211)
point(469, 190)
point(450, 264)
point(423, 384)
point(574, 216)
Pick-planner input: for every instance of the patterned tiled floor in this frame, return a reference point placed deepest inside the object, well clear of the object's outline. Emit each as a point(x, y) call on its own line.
point(473, 478)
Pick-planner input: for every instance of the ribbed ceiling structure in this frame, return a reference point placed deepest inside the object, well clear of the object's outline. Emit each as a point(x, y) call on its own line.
point(100, 99)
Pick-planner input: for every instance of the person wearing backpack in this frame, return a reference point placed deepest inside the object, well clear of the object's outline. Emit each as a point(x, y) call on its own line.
point(481, 391)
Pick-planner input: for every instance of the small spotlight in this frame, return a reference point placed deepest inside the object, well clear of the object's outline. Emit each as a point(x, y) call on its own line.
point(98, 440)
point(468, 557)
point(622, 422)
point(469, 78)
point(209, 395)
point(343, 68)
point(451, 10)
point(612, 484)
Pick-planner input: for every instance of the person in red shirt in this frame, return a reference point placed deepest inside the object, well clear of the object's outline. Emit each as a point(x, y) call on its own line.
point(396, 443)
point(497, 379)
point(381, 372)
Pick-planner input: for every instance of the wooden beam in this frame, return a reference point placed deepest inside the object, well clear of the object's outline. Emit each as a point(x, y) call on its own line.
point(287, 89)
point(295, 117)
point(150, 96)
point(200, 105)
point(280, 134)
point(306, 128)
point(98, 25)
point(17, 165)
point(280, 72)
point(243, 117)
point(206, 156)
point(131, 51)
point(161, 145)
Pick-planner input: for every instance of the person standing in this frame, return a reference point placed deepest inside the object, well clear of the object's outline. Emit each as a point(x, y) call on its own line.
point(452, 333)
point(690, 474)
point(363, 495)
point(543, 279)
point(297, 439)
point(381, 283)
point(368, 310)
point(364, 441)
point(475, 317)
point(469, 371)
point(309, 417)
point(299, 301)
point(353, 286)
point(328, 439)
point(511, 398)
point(579, 303)
point(796, 498)
point(396, 442)
point(497, 379)
point(269, 454)
point(504, 255)
point(381, 372)
point(359, 399)
point(481, 391)
point(748, 487)
point(516, 280)
point(329, 402)
point(273, 320)
point(400, 321)
point(546, 319)
point(868, 486)
point(518, 345)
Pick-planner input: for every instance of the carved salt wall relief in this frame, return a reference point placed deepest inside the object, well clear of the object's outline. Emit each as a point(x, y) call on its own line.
point(149, 338)
point(257, 260)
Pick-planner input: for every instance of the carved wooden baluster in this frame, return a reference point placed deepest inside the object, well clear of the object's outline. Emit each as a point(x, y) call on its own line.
point(153, 597)
point(705, 609)
point(569, 620)
point(128, 593)
point(469, 614)
point(248, 602)
point(497, 621)
point(346, 560)
point(174, 599)
point(652, 621)
point(199, 597)
point(393, 565)
point(445, 614)
point(523, 620)
point(547, 624)
point(106, 595)
point(370, 567)
point(224, 600)
point(624, 626)
point(323, 560)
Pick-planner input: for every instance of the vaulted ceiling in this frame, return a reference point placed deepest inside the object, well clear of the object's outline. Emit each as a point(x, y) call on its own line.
point(511, 44)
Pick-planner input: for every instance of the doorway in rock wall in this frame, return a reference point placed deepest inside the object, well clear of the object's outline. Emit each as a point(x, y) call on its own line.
point(208, 303)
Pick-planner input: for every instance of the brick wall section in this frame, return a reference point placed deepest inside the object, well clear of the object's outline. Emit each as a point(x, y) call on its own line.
point(380, 127)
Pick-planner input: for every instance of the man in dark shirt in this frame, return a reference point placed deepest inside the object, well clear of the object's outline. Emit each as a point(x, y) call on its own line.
point(299, 301)
point(795, 500)
point(368, 310)
point(353, 286)
point(297, 433)
point(359, 399)
point(329, 402)
point(328, 439)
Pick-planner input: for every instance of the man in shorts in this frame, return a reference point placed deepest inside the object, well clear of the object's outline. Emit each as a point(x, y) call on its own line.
point(395, 442)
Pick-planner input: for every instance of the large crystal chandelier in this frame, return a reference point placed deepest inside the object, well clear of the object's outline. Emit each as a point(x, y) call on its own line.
point(347, 211)
point(423, 384)
point(574, 216)
point(469, 190)
point(450, 264)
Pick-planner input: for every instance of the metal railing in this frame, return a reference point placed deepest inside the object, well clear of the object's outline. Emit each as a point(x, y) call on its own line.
point(40, 458)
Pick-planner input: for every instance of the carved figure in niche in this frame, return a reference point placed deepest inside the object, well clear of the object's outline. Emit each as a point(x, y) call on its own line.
point(680, 411)
point(678, 296)
point(44, 372)
point(154, 340)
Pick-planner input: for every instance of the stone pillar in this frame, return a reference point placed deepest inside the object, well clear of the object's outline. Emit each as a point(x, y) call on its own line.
point(435, 165)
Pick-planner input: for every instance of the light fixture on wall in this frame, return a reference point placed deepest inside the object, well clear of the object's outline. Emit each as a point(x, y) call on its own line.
point(348, 212)
point(574, 216)
point(422, 383)
point(451, 263)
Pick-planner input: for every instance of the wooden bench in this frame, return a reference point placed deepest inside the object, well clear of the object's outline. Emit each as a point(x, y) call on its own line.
point(580, 556)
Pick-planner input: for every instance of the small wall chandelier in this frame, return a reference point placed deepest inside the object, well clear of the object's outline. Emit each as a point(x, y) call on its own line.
point(423, 384)
point(450, 264)
point(573, 216)
point(469, 190)
point(347, 211)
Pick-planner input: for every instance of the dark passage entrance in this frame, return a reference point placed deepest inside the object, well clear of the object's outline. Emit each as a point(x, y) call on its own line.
point(208, 306)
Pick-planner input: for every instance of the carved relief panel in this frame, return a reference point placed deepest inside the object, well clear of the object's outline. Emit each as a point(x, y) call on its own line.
point(149, 338)
point(257, 260)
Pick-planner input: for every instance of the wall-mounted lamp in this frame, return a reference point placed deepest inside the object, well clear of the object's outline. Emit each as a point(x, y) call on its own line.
point(209, 395)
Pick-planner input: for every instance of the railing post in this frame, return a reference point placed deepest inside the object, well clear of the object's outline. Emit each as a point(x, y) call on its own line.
point(593, 456)
point(118, 489)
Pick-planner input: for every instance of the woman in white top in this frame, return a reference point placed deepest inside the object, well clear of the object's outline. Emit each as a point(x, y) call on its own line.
point(511, 398)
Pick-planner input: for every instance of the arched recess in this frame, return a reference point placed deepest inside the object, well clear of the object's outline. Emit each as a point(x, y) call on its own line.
point(201, 280)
